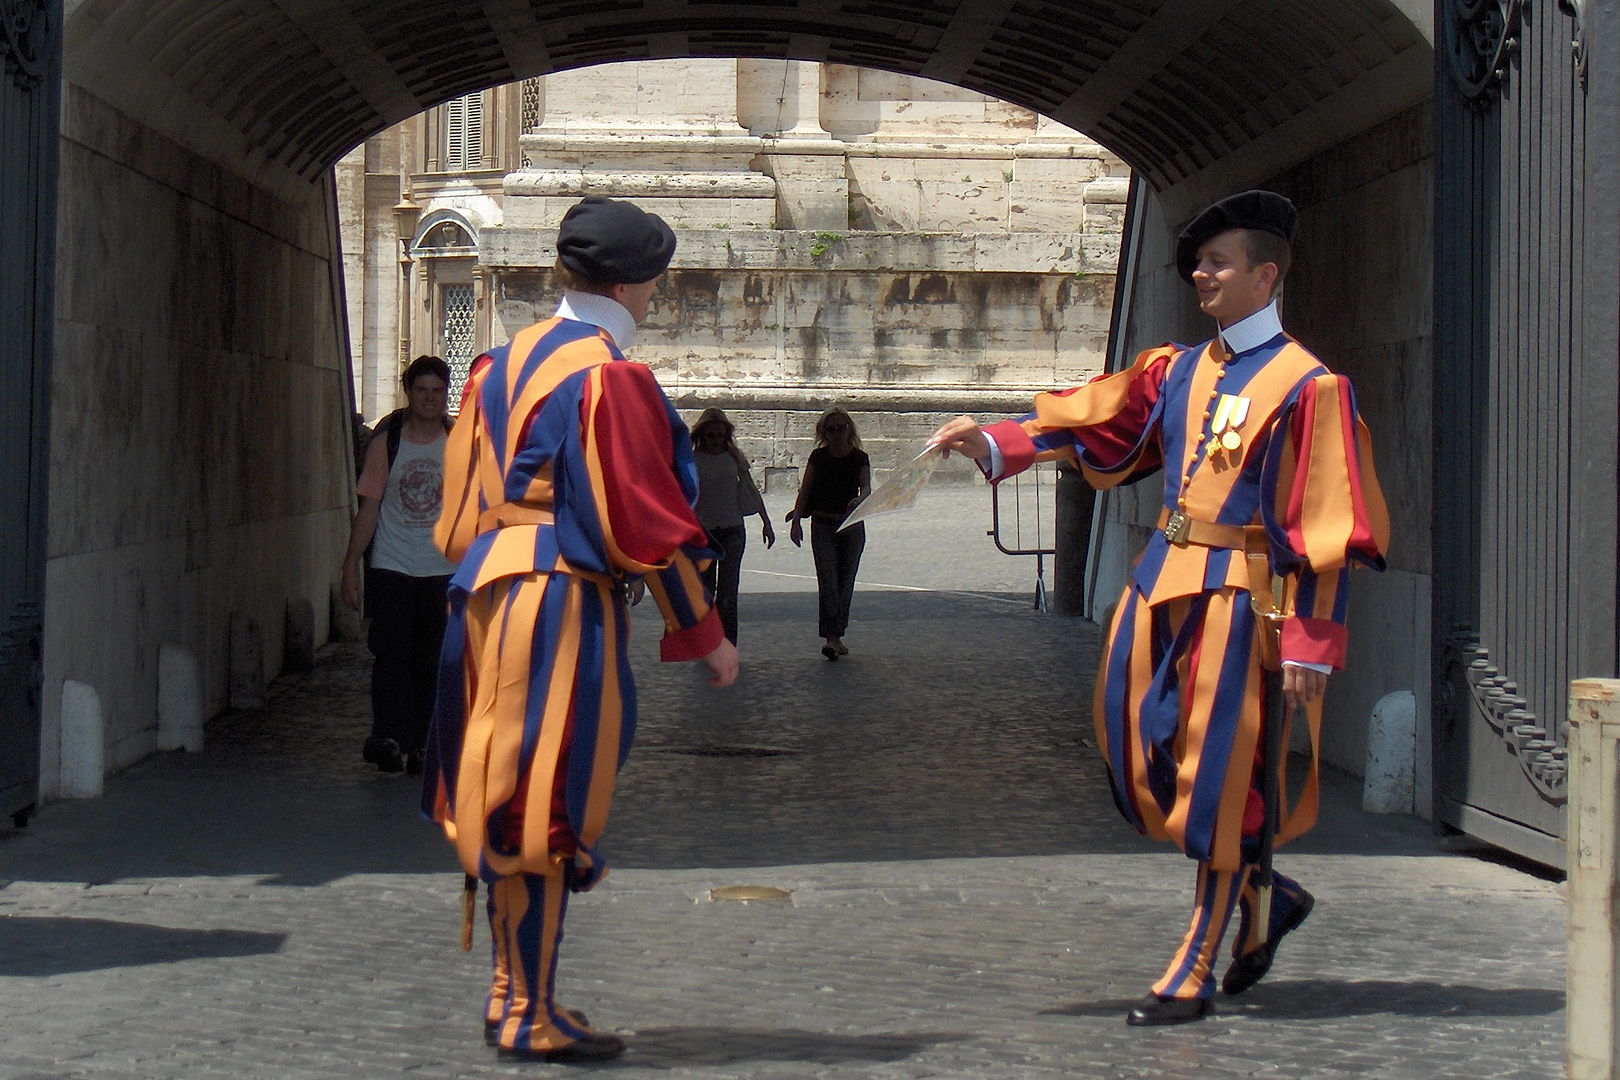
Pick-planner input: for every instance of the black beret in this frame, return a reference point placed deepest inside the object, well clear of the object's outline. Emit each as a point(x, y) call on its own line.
point(1263, 210)
point(612, 242)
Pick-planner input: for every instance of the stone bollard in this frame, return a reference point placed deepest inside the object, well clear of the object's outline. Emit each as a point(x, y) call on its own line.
point(1592, 1051)
point(84, 741)
point(180, 711)
point(1391, 766)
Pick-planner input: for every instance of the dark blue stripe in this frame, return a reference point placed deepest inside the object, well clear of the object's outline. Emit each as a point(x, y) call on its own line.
point(1116, 689)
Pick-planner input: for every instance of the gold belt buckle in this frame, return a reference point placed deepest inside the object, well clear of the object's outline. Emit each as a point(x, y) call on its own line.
point(1177, 527)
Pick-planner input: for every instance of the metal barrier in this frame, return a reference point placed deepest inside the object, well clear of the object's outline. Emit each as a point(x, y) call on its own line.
point(1027, 509)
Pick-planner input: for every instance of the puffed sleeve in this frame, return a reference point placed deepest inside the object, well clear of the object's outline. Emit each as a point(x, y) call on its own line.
point(1324, 512)
point(644, 484)
point(1106, 425)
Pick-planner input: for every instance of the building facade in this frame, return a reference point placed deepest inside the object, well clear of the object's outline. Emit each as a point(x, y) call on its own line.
point(905, 248)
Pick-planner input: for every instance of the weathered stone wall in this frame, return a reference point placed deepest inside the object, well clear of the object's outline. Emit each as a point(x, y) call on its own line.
point(1359, 296)
point(199, 461)
point(784, 325)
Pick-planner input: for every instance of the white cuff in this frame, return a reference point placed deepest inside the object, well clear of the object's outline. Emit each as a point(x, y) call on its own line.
point(994, 463)
point(1325, 669)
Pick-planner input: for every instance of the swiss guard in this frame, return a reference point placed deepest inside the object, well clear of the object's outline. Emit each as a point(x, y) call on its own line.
point(1269, 499)
point(568, 484)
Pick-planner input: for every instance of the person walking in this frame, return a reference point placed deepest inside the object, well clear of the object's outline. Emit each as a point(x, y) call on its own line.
point(1268, 474)
point(726, 495)
point(568, 479)
point(401, 488)
point(836, 478)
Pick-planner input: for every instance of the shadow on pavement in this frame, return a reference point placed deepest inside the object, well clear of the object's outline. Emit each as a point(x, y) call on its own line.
point(670, 1048)
point(1322, 999)
point(958, 727)
point(32, 946)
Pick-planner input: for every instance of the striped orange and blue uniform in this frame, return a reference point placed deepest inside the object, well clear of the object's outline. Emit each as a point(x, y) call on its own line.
point(1178, 699)
point(567, 473)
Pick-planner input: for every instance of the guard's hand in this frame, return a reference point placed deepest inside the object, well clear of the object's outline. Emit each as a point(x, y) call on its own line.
point(723, 663)
point(351, 589)
point(796, 533)
point(964, 436)
point(1301, 685)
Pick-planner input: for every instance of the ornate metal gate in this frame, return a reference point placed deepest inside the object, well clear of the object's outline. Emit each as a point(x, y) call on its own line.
point(30, 89)
point(1526, 408)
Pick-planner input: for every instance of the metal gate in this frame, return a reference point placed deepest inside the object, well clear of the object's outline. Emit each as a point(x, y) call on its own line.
point(30, 88)
point(1525, 404)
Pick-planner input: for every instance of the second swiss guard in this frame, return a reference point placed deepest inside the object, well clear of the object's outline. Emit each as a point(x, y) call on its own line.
point(1269, 498)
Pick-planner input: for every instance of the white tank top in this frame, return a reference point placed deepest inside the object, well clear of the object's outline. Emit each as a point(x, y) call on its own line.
point(410, 509)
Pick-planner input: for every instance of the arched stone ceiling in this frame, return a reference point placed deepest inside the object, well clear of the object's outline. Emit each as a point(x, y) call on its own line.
point(1196, 94)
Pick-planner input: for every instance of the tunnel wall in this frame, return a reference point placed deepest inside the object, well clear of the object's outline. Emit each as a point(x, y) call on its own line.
point(200, 463)
point(1360, 296)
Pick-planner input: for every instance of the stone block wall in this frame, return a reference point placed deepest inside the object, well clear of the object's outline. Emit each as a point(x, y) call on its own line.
point(199, 451)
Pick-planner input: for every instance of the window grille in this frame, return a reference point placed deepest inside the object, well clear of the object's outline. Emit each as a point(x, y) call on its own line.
point(464, 133)
point(456, 302)
point(531, 105)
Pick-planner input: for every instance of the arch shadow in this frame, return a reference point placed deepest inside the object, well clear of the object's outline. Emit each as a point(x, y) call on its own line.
point(670, 1048)
point(33, 946)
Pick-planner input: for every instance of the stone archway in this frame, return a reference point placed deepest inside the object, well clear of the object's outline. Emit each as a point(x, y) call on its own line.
point(199, 327)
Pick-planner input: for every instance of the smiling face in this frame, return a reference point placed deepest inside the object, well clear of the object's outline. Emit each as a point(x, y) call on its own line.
point(1229, 288)
point(427, 398)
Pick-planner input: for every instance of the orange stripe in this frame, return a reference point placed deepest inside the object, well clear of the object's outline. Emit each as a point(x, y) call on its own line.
point(1141, 667)
point(609, 726)
point(519, 992)
point(1097, 401)
point(1327, 517)
point(537, 855)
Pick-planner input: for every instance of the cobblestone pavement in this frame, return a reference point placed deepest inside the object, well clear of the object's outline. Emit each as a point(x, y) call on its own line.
point(965, 901)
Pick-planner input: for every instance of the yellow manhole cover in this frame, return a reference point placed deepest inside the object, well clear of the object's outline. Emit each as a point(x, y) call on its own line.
point(750, 892)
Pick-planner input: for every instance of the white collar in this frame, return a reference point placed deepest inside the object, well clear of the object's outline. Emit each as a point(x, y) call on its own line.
point(1252, 331)
point(600, 311)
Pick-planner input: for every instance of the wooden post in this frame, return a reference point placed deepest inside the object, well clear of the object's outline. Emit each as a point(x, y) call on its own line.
point(1591, 1030)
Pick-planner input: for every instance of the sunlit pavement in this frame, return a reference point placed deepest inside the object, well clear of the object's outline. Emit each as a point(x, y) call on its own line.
point(963, 899)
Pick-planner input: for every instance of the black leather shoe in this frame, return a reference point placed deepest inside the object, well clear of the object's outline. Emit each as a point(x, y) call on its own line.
point(1155, 1011)
point(492, 1028)
point(385, 754)
point(413, 763)
point(596, 1046)
point(1251, 967)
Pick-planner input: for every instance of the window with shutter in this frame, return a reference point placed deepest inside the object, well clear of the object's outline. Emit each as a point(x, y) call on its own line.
point(464, 133)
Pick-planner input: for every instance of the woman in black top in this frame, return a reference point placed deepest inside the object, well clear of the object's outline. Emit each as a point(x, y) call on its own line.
point(837, 476)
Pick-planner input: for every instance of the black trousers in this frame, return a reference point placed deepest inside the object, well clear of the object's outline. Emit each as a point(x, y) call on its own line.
point(725, 573)
point(407, 627)
point(838, 556)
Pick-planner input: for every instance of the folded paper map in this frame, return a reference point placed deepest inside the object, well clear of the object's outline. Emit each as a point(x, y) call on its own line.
point(899, 491)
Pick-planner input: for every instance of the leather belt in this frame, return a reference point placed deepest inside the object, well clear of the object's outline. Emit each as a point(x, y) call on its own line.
point(514, 514)
point(1182, 530)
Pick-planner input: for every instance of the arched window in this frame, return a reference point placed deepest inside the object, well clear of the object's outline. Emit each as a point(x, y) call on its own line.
point(448, 249)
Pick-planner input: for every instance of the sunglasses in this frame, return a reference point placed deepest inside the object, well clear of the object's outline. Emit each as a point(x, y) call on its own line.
point(837, 429)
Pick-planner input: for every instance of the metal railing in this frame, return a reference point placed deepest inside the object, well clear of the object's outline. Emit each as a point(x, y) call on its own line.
point(1034, 499)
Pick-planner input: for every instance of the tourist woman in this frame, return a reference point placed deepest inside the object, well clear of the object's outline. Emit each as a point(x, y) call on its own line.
point(837, 476)
point(726, 495)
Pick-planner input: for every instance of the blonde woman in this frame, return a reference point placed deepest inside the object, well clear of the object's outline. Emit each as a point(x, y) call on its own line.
point(726, 495)
point(837, 476)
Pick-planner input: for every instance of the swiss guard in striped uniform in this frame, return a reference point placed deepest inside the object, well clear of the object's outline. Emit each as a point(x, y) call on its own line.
point(568, 478)
point(1269, 499)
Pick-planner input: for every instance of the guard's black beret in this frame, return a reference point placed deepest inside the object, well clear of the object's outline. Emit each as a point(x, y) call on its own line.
point(612, 242)
point(1263, 210)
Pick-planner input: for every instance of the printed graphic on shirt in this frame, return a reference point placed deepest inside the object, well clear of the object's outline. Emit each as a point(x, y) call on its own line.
point(421, 491)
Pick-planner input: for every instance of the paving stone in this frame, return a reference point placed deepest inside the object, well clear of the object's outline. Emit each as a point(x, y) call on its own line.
point(964, 900)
